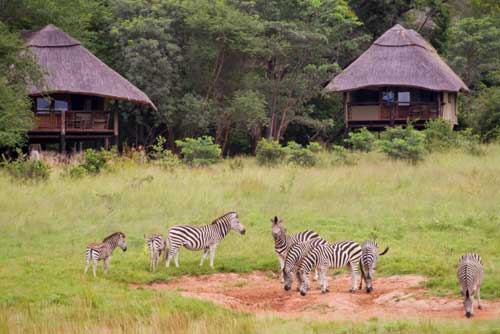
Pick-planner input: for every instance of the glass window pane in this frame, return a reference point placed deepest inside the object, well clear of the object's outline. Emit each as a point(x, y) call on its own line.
point(60, 105)
point(77, 102)
point(388, 97)
point(97, 103)
point(365, 96)
point(404, 98)
point(42, 104)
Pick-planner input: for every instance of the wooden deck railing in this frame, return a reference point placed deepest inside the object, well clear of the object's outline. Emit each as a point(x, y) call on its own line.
point(414, 111)
point(74, 120)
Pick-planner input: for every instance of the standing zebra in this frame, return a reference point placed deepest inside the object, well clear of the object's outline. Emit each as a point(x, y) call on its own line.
point(470, 276)
point(202, 237)
point(103, 250)
point(283, 241)
point(369, 258)
point(156, 245)
point(295, 255)
point(323, 257)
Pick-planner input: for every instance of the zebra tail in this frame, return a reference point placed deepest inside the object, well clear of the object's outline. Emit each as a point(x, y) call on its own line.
point(385, 251)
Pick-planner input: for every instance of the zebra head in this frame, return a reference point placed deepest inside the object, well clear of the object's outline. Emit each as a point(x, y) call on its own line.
point(469, 312)
point(278, 228)
point(235, 223)
point(121, 241)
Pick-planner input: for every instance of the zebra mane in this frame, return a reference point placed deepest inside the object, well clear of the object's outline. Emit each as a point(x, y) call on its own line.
point(113, 235)
point(224, 215)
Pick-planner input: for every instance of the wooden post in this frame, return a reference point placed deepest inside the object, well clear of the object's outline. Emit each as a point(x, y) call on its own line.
point(346, 111)
point(62, 146)
point(115, 125)
point(106, 143)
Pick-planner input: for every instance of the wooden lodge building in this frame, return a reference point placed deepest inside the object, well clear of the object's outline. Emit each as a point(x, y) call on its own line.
point(74, 103)
point(399, 78)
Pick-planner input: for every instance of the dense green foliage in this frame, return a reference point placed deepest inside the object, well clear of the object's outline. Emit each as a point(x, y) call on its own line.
point(361, 140)
point(26, 170)
point(404, 143)
point(300, 156)
point(269, 152)
point(201, 151)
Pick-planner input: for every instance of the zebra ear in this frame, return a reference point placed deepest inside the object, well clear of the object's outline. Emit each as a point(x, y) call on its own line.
point(274, 220)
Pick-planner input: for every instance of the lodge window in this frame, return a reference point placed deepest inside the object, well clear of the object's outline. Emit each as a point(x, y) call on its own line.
point(78, 102)
point(423, 96)
point(43, 105)
point(60, 105)
point(404, 98)
point(388, 97)
point(365, 96)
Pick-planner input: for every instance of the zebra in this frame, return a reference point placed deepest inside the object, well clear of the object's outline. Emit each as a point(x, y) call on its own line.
point(369, 258)
point(102, 251)
point(470, 276)
point(156, 245)
point(295, 255)
point(334, 255)
point(205, 238)
point(283, 241)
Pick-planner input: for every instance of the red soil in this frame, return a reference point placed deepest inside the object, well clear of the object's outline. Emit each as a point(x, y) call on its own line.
point(394, 297)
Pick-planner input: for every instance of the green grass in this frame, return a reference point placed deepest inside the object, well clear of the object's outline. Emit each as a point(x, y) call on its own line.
point(429, 214)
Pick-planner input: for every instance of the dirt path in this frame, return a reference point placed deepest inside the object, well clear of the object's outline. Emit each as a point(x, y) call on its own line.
point(394, 297)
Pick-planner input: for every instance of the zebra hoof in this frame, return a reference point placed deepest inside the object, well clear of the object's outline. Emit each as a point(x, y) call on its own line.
point(368, 290)
point(480, 307)
point(352, 290)
point(325, 291)
point(287, 287)
point(468, 314)
point(302, 293)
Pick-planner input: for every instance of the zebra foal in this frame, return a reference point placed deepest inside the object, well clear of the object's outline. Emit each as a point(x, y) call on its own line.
point(156, 246)
point(102, 251)
point(295, 256)
point(470, 276)
point(369, 258)
point(283, 241)
point(205, 238)
point(323, 257)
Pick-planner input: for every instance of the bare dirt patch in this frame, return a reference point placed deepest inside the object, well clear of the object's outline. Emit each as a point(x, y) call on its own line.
point(394, 297)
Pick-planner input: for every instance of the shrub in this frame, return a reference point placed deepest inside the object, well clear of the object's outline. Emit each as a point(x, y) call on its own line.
point(361, 140)
point(269, 152)
point(469, 142)
point(439, 135)
point(93, 161)
point(403, 143)
point(235, 164)
point(299, 155)
point(162, 157)
point(24, 169)
point(200, 151)
point(315, 147)
point(341, 156)
point(76, 172)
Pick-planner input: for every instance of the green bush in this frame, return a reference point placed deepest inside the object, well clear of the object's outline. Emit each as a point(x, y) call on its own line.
point(75, 172)
point(24, 169)
point(403, 143)
point(162, 157)
point(269, 152)
point(94, 161)
point(200, 151)
point(469, 142)
point(439, 135)
point(315, 147)
point(299, 155)
point(361, 140)
point(341, 156)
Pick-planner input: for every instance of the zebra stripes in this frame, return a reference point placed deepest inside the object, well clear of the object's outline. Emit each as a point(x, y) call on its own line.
point(369, 258)
point(283, 241)
point(204, 238)
point(295, 255)
point(470, 276)
point(156, 246)
point(323, 257)
point(102, 251)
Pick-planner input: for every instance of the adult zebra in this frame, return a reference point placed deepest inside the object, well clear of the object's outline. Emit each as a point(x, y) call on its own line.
point(323, 257)
point(283, 241)
point(156, 245)
point(204, 238)
point(102, 251)
point(295, 256)
point(369, 258)
point(470, 276)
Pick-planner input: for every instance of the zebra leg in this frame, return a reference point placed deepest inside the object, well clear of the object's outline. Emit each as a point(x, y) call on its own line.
point(157, 260)
point(323, 281)
point(94, 267)
point(173, 252)
point(282, 266)
point(354, 277)
point(304, 287)
point(478, 299)
point(316, 275)
point(203, 256)
point(87, 263)
point(212, 254)
point(106, 265)
point(176, 258)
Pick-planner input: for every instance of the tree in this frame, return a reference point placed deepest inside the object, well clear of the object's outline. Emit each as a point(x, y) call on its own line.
point(17, 71)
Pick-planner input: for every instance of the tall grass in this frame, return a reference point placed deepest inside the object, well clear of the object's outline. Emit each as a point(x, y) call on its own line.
point(429, 214)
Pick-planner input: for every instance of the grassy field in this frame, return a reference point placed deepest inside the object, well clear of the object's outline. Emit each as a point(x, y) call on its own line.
point(428, 214)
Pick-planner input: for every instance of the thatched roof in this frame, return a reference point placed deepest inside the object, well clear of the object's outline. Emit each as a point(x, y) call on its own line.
point(71, 68)
point(400, 57)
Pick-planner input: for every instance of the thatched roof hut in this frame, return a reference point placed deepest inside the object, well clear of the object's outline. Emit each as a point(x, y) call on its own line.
point(400, 77)
point(71, 68)
point(400, 57)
